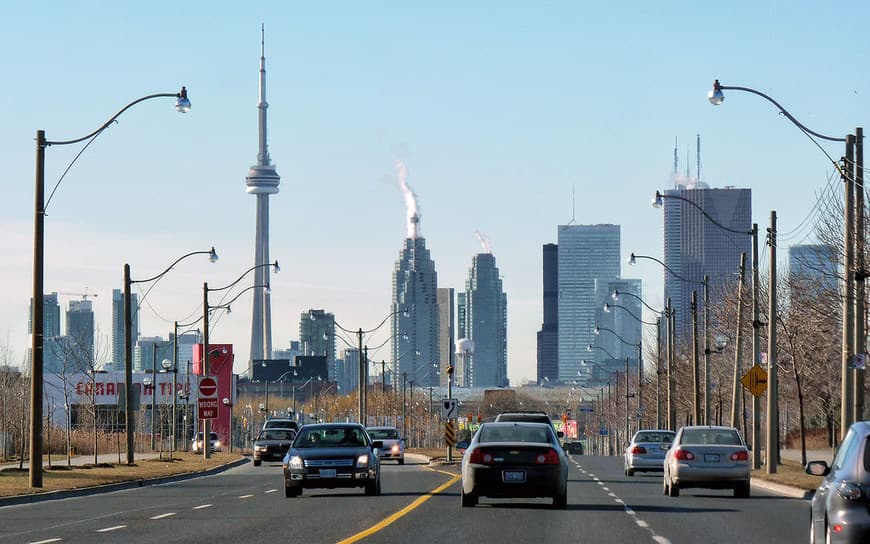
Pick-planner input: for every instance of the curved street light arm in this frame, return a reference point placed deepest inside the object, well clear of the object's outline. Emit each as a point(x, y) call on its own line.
point(212, 257)
point(659, 196)
point(226, 305)
point(614, 333)
point(668, 268)
point(245, 273)
point(617, 294)
point(718, 86)
point(590, 347)
point(629, 312)
point(180, 95)
point(381, 324)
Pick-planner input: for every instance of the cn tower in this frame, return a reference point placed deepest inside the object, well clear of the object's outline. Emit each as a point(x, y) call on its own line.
point(262, 180)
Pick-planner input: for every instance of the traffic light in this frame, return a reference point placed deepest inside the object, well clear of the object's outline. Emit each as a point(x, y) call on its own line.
point(478, 418)
point(468, 418)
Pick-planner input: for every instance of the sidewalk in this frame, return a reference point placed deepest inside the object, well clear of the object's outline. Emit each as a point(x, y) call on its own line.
point(78, 460)
point(812, 455)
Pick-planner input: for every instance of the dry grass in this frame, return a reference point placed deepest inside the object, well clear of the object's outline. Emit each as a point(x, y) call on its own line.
point(58, 477)
point(789, 473)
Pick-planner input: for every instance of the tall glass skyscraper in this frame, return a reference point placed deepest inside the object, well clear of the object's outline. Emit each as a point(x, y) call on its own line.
point(485, 323)
point(446, 331)
point(548, 336)
point(588, 258)
point(695, 247)
point(80, 330)
point(414, 320)
point(817, 262)
point(317, 336)
point(118, 326)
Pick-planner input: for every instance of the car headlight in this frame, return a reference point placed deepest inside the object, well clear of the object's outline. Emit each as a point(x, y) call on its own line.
point(295, 462)
point(260, 448)
point(396, 448)
point(362, 461)
point(850, 491)
point(217, 443)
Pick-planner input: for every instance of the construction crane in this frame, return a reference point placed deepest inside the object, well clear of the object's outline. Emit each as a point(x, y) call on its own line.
point(84, 295)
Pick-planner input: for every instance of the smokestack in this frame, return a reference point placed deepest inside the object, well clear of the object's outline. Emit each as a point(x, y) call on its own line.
point(412, 212)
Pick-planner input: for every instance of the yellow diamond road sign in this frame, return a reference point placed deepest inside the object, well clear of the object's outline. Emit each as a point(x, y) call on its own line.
point(755, 380)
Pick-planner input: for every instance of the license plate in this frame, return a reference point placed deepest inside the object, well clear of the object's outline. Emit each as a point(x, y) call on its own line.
point(514, 476)
point(711, 457)
point(327, 473)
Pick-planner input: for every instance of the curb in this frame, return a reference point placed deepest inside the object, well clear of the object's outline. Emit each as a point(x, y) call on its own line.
point(780, 489)
point(119, 486)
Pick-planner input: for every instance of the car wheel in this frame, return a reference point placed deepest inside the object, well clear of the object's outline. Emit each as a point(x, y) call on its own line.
point(469, 499)
point(673, 489)
point(629, 472)
point(665, 487)
point(561, 500)
point(742, 490)
point(373, 488)
point(257, 462)
point(292, 491)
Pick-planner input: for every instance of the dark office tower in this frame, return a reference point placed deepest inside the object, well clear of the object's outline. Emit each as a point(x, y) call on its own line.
point(446, 321)
point(813, 268)
point(415, 315)
point(80, 331)
point(118, 327)
point(350, 371)
point(548, 336)
point(588, 258)
point(486, 323)
point(317, 337)
point(695, 246)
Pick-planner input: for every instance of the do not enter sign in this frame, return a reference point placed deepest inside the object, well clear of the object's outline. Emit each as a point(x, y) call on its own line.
point(207, 401)
point(207, 386)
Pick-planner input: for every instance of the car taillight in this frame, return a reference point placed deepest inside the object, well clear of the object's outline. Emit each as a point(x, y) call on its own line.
point(684, 455)
point(480, 457)
point(638, 450)
point(549, 458)
point(740, 456)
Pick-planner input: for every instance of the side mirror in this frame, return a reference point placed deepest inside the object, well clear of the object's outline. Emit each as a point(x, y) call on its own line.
point(560, 434)
point(818, 468)
point(377, 444)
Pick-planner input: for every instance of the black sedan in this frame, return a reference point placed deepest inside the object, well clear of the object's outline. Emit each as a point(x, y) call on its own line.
point(332, 455)
point(272, 444)
point(515, 460)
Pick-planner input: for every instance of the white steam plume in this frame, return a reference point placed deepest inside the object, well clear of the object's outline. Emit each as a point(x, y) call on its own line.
point(484, 241)
point(411, 209)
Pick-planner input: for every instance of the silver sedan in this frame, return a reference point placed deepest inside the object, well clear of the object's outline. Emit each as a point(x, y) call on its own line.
point(647, 451)
point(708, 457)
point(839, 507)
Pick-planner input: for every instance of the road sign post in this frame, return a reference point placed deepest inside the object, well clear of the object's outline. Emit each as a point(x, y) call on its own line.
point(207, 402)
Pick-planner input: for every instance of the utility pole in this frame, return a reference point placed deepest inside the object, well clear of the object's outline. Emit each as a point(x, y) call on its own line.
point(772, 447)
point(738, 349)
point(659, 373)
point(404, 413)
point(707, 418)
point(639, 384)
point(847, 398)
point(627, 394)
point(756, 352)
point(696, 383)
point(860, 274)
point(360, 378)
point(672, 401)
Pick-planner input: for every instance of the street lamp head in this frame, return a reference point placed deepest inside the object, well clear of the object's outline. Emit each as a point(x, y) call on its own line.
point(146, 382)
point(632, 260)
point(182, 103)
point(166, 364)
point(606, 308)
point(212, 255)
point(657, 200)
point(226, 401)
point(598, 329)
point(720, 341)
point(615, 294)
point(715, 95)
point(588, 347)
point(275, 267)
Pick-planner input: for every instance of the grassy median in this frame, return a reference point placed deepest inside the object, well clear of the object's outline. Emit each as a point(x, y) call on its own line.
point(60, 476)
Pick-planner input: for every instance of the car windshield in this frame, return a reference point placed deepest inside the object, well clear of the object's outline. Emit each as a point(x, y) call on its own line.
point(330, 437)
point(279, 423)
point(514, 433)
point(384, 434)
point(728, 437)
point(276, 434)
point(664, 438)
point(213, 436)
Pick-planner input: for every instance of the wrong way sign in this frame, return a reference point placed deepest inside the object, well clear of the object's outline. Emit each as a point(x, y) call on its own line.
point(207, 402)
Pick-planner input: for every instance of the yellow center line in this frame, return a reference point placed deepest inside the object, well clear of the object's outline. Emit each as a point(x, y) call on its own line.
point(401, 513)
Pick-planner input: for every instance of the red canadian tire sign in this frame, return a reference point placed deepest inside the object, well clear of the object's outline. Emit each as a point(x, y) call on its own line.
point(207, 402)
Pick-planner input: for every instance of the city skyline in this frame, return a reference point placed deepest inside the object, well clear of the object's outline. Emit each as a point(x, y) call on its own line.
point(499, 125)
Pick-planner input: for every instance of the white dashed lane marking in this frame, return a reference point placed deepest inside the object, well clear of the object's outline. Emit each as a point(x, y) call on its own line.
point(271, 490)
point(201, 506)
point(115, 528)
point(161, 516)
point(46, 541)
point(245, 496)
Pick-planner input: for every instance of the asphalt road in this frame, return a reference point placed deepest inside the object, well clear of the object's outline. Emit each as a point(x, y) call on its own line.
point(419, 504)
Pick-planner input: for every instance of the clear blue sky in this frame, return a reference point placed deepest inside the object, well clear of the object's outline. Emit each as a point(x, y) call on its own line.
point(497, 108)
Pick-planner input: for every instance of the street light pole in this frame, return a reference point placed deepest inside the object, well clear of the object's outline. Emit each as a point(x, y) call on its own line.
point(772, 446)
point(736, 407)
point(182, 105)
